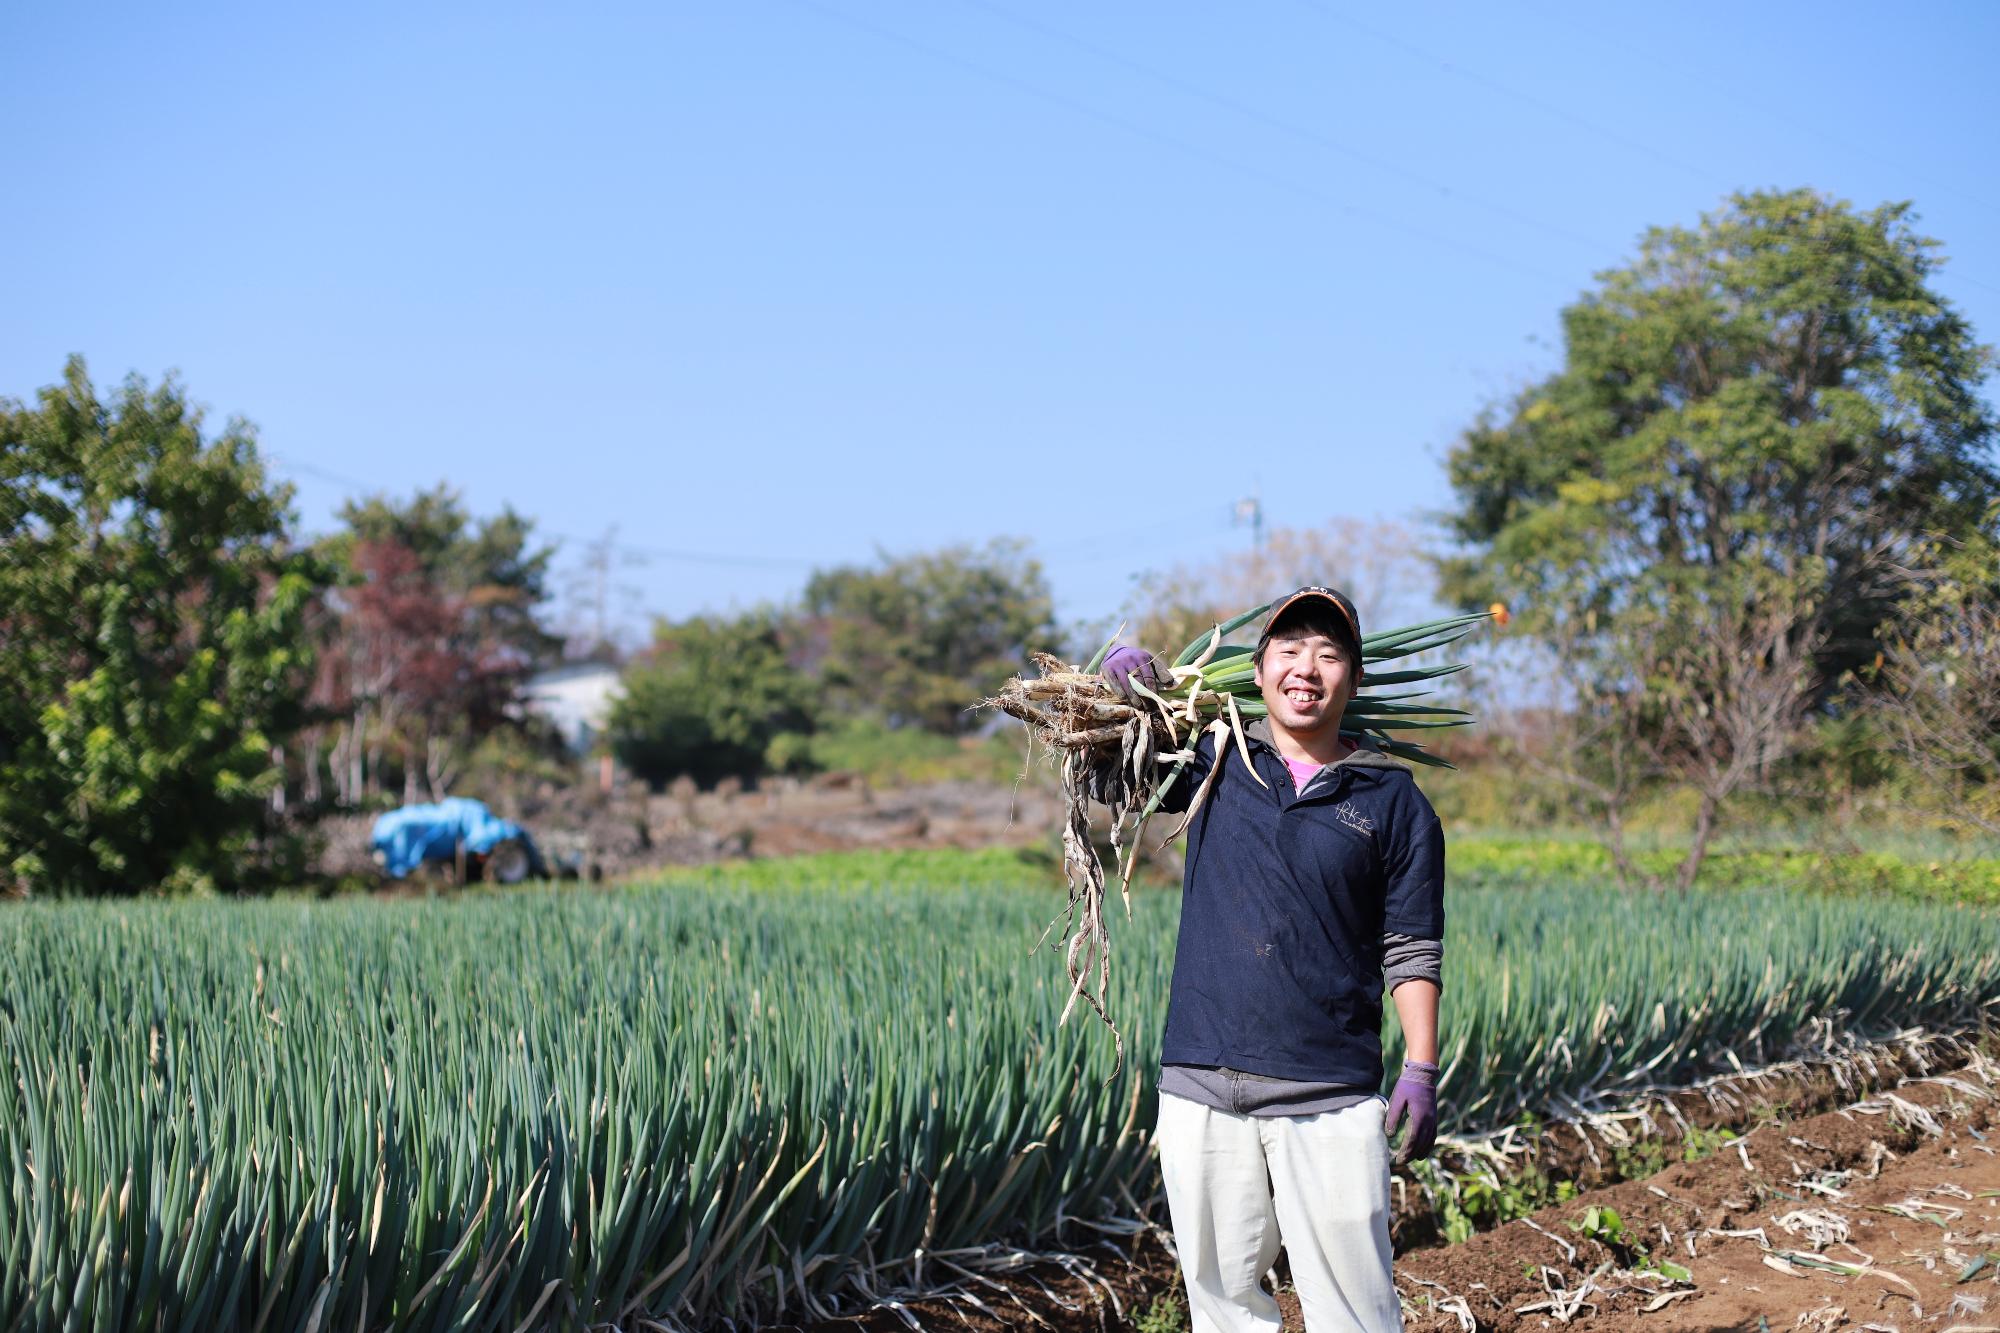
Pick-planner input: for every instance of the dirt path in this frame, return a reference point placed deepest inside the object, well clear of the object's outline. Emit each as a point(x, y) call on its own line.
point(1859, 1218)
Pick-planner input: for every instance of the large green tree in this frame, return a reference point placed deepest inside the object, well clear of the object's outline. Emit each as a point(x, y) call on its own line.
point(1707, 509)
point(920, 639)
point(151, 640)
point(708, 699)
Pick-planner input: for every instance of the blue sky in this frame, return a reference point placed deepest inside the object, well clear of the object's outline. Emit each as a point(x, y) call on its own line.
point(778, 283)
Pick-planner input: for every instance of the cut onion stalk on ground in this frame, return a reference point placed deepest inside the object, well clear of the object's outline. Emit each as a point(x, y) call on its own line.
point(1128, 753)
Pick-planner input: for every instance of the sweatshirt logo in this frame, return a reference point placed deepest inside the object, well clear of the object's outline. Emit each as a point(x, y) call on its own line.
point(1354, 819)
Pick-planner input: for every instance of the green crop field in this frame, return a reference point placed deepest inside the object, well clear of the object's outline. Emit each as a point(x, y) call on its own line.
point(736, 1093)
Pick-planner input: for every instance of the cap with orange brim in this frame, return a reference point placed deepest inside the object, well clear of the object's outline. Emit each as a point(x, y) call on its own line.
point(1345, 616)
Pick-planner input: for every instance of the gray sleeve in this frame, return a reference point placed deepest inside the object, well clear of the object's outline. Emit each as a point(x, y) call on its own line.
point(1408, 958)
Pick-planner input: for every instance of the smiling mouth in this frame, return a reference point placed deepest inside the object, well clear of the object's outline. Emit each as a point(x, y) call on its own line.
point(1303, 698)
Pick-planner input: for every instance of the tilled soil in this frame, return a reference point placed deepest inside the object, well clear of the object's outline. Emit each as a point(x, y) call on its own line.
point(1588, 1153)
point(635, 832)
point(1859, 1218)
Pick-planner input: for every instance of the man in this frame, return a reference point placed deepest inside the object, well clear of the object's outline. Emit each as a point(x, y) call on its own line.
point(1305, 896)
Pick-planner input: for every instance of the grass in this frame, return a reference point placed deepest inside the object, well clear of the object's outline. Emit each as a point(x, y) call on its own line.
point(1526, 862)
point(997, 867)
point(899, 756)
point(1478, 861)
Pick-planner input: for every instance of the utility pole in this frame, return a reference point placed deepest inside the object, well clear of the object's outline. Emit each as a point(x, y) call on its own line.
point(1250, 510)
point(594, 593)
point(597, 564)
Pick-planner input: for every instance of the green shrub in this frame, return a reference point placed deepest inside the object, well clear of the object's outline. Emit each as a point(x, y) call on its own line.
point(709, 701)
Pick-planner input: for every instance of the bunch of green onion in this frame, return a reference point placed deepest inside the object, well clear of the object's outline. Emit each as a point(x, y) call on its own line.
point(1127, 753)
point(1212, 679)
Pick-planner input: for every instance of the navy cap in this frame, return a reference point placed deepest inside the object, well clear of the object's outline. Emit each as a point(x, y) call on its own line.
point(1345, 615)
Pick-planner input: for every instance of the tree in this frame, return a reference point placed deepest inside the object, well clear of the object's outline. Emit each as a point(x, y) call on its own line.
point(1707, 507)
point(426, 643)
point(1710, 695)
point(1940, 674)
point(490, 563)
point(152, 617)
point(708, 699)
point(919, 640)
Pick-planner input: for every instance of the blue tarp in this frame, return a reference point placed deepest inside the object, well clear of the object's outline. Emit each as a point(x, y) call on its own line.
point(408, 837)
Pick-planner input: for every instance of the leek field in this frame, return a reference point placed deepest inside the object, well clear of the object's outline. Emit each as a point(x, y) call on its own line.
point(738, 1095)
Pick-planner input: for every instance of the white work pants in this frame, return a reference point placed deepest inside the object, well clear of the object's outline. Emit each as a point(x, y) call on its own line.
point(1238, 1186)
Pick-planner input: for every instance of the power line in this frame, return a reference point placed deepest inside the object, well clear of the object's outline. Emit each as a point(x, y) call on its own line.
point(1976, 282)
point(1266, 118)
point(1085, 546)
point(324, 474)
point(1170, 142)
point(1768, 112)
point(1564, 113)
point(1529, 99)
point(677, 554)
point(1173, 528)
point(646, 552)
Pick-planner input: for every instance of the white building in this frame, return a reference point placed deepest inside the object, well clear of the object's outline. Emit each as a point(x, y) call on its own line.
point(576, 700)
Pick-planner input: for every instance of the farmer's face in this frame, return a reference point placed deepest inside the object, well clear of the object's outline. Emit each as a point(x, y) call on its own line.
point(1306, 683)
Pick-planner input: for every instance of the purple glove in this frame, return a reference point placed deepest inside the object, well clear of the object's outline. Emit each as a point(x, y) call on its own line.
point(1122, 666)
point(1416, 1097)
